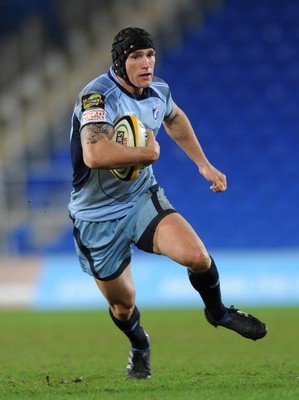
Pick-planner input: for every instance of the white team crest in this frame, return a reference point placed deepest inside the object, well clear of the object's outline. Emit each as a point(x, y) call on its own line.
point(156, 111)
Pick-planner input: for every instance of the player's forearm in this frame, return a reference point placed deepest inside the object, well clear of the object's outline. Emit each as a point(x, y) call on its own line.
point(180, 130)
point(100, 152)
point(110, 155)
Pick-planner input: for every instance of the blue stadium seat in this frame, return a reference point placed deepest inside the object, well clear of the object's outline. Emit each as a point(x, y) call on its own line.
point(241, 79)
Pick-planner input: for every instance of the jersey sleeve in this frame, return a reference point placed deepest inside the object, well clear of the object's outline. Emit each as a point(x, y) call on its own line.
point(169, 104)
point(164, 89)
point(94, 107)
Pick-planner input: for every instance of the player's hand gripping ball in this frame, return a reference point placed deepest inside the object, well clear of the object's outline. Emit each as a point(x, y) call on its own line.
point(129, 131)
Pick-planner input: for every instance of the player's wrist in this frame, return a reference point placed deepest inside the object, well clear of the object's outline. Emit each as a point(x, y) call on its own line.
point(203, 165)
point(149, 154)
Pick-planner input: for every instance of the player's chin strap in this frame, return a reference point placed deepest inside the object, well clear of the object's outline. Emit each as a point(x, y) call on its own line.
point(126, 42)
point(126, 79)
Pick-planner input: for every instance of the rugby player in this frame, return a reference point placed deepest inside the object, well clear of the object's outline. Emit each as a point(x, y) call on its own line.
point(110, 215)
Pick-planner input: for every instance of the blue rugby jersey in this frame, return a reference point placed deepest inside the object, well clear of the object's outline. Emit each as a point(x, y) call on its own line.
point(97, 194)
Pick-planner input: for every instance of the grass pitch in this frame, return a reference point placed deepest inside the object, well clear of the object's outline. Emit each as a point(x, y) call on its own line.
point(81, 355)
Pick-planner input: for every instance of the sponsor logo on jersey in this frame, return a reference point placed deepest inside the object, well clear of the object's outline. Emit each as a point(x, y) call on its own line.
point(93, 116)
point(94, 100)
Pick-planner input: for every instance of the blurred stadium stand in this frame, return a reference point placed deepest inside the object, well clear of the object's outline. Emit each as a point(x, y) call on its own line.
point(234, 70)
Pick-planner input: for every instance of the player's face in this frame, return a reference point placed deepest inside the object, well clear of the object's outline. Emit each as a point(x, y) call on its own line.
point(140, 67)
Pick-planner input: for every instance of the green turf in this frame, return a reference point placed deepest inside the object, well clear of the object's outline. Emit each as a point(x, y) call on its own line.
point(44, 355)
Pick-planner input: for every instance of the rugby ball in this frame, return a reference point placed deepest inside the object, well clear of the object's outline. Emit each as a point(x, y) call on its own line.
point(129, 131)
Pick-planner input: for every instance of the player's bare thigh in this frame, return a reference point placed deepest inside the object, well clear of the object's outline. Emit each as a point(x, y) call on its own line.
point(120, 294)
point(176, 239)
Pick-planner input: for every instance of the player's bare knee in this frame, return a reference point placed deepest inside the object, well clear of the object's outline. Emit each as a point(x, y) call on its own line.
point(200, 262)
point(122, 311)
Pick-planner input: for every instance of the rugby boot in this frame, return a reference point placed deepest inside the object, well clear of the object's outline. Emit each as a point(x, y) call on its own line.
point(246, 325)
point(139, 364)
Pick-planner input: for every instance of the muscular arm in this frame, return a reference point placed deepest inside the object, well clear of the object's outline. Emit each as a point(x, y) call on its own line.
point(100, 152)
point(179, 128)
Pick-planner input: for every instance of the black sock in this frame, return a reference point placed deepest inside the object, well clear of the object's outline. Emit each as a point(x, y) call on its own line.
point(208, 286)
point(132, 329)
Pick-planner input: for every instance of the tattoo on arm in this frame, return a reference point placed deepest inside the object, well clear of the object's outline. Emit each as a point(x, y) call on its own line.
point(93, 133)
